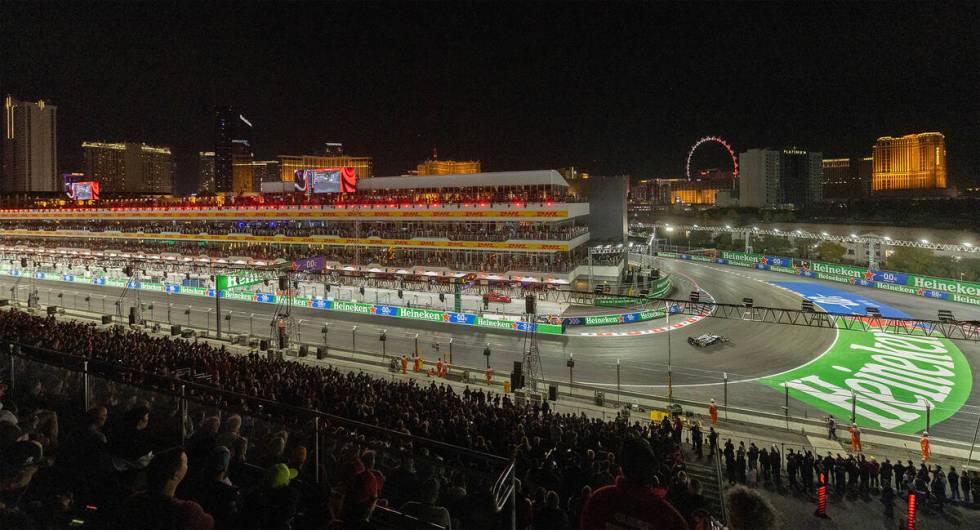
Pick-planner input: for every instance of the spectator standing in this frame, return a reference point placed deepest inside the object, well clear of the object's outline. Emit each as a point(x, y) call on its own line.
point(157, 507)
point(426, 508)
point(214, 491)
point(551, 516)
point(633, 496)
point(954, 484)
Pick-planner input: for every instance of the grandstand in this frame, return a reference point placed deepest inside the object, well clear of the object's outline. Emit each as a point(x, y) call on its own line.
point(511, 225)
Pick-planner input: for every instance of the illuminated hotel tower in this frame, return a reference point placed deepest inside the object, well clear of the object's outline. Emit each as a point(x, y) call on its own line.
point(912, 162)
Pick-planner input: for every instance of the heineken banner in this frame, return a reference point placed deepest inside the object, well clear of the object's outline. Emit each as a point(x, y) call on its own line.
point(605, 320)
point(232, 293)
point(928, 286)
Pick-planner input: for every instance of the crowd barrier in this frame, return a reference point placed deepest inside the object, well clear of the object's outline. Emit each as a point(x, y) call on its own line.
point(343, 306)
point(926, 286)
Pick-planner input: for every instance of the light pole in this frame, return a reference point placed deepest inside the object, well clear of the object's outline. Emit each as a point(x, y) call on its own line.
point(670, 381)
point(353, 339)
point(384, 339)
point(486, 354)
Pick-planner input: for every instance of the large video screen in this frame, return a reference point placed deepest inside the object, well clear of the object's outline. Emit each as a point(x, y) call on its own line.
point(328, 180)
point(84, 191)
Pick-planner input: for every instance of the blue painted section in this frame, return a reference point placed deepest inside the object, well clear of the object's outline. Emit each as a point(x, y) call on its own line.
point(387, 310)
point(838, 301)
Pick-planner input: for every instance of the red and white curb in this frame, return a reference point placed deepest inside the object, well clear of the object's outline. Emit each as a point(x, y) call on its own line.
point(654, 331)
point(663, 329)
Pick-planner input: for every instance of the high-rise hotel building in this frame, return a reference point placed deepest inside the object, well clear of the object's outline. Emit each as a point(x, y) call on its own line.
point(911, 162)
point(30, 146)
point(129, 167)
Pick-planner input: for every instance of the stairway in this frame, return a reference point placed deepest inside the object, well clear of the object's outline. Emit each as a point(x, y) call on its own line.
point(707, 474)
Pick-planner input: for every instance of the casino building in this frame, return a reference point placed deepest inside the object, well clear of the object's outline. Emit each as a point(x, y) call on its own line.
point(522, 225)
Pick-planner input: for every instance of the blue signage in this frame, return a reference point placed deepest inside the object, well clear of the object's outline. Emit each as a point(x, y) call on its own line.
point(461, 318)
point(68, 278)
point(172, 288)
point(39, 275)
point(98, 281)
point(133, 284)
point(321, 304)
point(386, 310)
point(265, 298)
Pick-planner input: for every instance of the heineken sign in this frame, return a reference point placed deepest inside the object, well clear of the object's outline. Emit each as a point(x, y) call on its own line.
point(891, 380)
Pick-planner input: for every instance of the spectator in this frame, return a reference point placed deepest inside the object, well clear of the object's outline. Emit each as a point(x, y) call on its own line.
point(157, 507)
point(426, 509)
point(130, 445)
point(214, 491)
point(633, 495)
point(272, 506)
point(747, 510)
point(551, 516)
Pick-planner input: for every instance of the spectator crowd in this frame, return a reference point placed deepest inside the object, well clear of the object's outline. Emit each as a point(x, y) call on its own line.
point(240, 456)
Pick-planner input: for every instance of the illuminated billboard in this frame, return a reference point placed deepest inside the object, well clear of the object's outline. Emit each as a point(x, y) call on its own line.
point(84, 191)
point(328, 180)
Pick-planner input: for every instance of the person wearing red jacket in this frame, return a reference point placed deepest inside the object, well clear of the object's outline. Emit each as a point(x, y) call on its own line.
point(634, 501)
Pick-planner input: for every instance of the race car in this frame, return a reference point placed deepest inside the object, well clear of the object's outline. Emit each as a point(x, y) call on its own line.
point(497, 297)
point(708, 339)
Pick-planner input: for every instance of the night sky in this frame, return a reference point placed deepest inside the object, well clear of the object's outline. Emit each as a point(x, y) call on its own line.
point(609, 88)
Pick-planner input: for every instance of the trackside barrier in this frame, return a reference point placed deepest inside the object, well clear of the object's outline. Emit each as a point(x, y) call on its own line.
point(926, 286)
point(343, 306)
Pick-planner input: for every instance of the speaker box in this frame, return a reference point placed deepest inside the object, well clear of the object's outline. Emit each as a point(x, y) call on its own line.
point(4, 302)
point(304, 350)
point(52, 310)
point(283, 283)
point(264, 344)
point(516, 381)
point(321, 352)
point(518, 367)
point(107, 319)
point(187, 333)
point(529, 305)
point(552, 392)
point(174, 329)
point(132, 315)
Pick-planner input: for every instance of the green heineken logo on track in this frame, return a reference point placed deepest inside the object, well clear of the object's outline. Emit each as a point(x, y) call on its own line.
point(891, 380)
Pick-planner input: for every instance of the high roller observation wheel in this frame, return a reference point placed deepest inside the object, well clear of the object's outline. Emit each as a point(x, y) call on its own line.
point(718, 140)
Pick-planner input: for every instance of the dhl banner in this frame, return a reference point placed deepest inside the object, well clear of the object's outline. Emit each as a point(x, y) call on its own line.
point(294, 240)
point(276, 214)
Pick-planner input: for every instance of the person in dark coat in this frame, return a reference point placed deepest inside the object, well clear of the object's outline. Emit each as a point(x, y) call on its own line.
point(965, 486)
point(954, 484)
point(775, 464)
point(764, 464)
point(899, 471)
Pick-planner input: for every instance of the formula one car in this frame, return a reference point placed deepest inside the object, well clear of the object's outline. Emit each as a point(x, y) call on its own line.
point(498, 297)
point(703, 341)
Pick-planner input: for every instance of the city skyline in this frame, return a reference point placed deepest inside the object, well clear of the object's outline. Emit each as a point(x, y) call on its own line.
point(552, 87)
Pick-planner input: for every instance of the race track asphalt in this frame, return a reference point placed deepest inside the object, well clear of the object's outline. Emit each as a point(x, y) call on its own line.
point(756, 350)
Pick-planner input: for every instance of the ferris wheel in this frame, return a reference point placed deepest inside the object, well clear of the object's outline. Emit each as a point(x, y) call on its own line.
point(717, 140)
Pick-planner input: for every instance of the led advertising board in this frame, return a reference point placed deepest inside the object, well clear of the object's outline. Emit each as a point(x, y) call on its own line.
point(84, 191)
point(327, 180)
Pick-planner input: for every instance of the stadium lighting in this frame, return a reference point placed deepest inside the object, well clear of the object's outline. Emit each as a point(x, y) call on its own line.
point(775, 230)
point(670, 228)
point(756, 228)
point(798, 231)
point(967, 244)
point(728, 227)
point(825, 234)
point(887, 238)
point(924, 241)
point(854, 236)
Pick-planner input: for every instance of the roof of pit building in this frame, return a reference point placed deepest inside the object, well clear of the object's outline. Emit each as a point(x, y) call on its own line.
point(546, 177)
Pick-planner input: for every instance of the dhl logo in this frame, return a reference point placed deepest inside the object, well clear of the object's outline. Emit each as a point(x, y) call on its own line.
point(281, 239)
point(278, 214)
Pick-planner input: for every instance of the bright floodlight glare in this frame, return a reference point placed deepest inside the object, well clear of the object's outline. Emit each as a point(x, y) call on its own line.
point(824, 234)
point(967, 244)
point(775, 230)
point(925, 241)
point(854, 236)
point(887, 238)
point(670, 228)
point(728, 227)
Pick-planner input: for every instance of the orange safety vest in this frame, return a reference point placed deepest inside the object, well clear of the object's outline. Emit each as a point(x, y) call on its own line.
point(404, 365)
point(489, 375)
point(439, 368)
point(713, 411)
